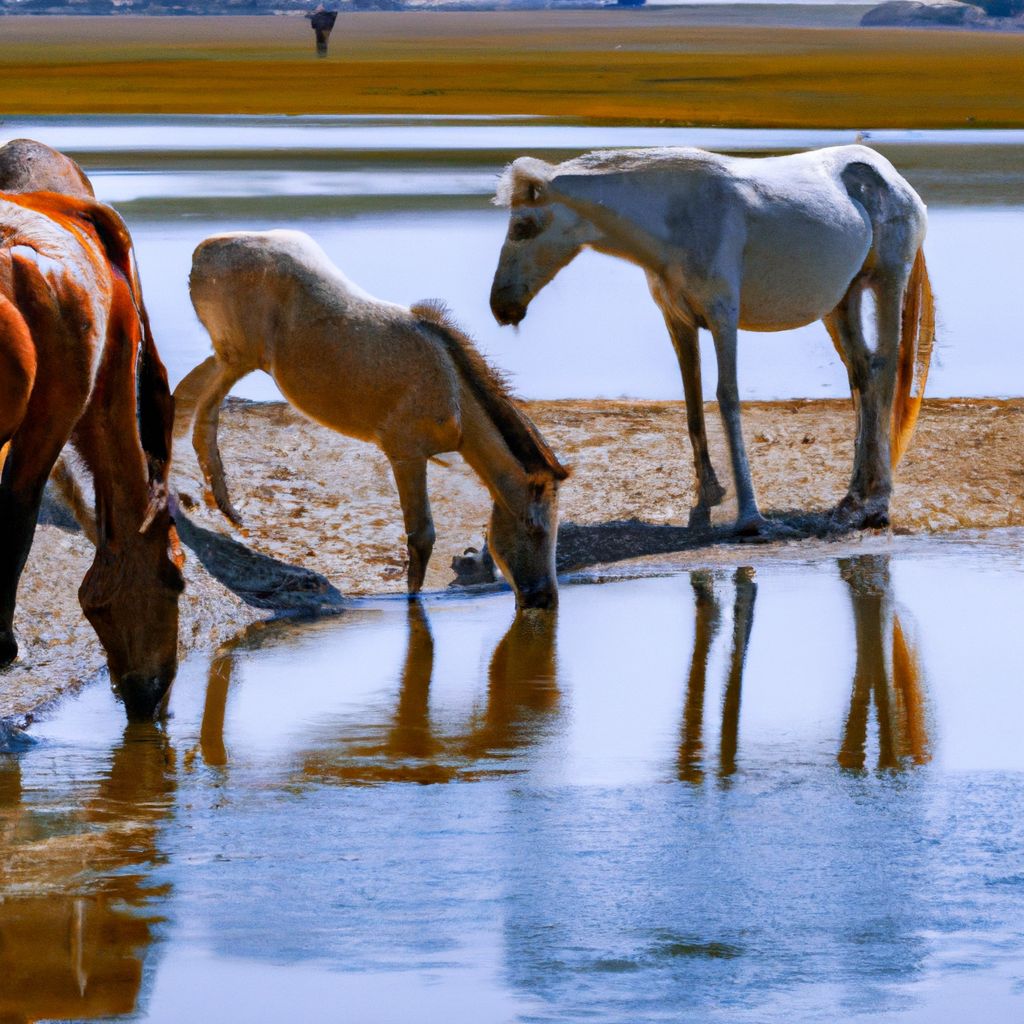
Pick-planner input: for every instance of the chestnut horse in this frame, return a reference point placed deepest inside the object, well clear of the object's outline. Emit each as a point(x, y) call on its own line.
point(78, 363)
point(30, 166)
point(407, 379)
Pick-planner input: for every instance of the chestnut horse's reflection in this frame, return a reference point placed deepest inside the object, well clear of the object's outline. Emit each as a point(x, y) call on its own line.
point(522, 698)
point(887, 673)
point(77, 905)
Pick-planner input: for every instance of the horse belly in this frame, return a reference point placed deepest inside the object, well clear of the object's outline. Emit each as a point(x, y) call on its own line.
point(797, 269)
point(368, 388)
point(332, 399)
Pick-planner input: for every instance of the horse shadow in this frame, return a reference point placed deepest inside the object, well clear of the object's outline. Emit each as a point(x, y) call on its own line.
point(583, 545)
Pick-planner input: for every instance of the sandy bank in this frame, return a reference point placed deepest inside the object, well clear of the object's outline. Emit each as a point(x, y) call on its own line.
point(314, 498)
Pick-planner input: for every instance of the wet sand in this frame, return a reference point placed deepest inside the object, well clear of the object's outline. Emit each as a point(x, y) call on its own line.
point(669, 65)
point(316, 499)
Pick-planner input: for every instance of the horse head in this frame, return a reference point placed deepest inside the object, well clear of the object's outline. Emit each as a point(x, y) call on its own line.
point(130, 597)
point(543, 236)
point(522, 539)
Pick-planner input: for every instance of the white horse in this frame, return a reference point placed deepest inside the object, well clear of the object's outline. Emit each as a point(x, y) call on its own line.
point(764, 244)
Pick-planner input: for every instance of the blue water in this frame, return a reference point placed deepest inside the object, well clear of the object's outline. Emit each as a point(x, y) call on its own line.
point(402, 205)
point(784, 792)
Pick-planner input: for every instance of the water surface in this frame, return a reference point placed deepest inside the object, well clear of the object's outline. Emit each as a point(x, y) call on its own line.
point(785, 791)
point(402, 205)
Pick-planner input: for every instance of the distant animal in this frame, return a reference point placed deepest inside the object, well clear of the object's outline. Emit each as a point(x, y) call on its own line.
point(406, 379)
point(322, 22)
point(763, 244)
point(78, 363)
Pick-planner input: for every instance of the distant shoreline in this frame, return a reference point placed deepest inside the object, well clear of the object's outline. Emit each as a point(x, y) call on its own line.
point(762, 65)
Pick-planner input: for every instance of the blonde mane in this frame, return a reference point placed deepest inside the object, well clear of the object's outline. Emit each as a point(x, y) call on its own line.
point(491, 390)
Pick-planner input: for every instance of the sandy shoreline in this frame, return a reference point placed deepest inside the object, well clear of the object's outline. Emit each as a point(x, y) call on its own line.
point(322, 501)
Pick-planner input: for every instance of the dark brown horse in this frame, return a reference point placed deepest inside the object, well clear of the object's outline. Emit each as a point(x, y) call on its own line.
point(78, 364)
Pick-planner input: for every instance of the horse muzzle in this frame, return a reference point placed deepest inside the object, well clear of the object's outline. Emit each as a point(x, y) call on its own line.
point(542, 596)
point(143, 695)
point(507, 310)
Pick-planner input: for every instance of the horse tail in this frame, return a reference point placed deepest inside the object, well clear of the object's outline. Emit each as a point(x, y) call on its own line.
point(197, 398)
point(917, 338)
point(188, 392)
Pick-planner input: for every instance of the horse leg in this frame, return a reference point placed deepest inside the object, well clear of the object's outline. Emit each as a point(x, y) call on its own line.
point(411, 479)
point(49, 419)
point(749, 522)
point(845, 327)
point(709, 491)
point(877, 404)
point(872, 383)
point(684, 335)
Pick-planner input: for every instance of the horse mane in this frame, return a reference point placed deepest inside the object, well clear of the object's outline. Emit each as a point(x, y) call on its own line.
point(523, 181)
point(514, 185)
point(491, 389)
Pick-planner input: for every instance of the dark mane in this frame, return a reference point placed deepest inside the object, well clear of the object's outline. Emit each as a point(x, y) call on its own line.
point(491, 390)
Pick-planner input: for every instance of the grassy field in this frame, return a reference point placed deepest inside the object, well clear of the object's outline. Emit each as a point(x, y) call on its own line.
point(657, 66)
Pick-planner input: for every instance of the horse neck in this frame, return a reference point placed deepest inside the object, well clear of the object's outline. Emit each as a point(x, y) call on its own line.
point(487, 452)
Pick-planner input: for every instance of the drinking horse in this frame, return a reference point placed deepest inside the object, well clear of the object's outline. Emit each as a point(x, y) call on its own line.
point(763, 244)
point(78, 363)
point(406, 379)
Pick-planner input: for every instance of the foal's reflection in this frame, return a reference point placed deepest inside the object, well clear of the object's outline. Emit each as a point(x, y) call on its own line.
point(522, 694)
point(887, 672)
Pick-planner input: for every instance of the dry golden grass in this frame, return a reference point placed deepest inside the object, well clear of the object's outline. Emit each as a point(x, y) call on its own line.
point(651, 66)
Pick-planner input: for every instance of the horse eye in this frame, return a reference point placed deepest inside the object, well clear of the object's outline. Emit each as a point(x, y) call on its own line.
point(521, 230)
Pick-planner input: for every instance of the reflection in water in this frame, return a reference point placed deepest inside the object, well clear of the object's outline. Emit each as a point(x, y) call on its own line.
point(77, 911)
point(522, 688)
point(708, 615)
point(888, 673)
point(522, 695)
point(742, 623)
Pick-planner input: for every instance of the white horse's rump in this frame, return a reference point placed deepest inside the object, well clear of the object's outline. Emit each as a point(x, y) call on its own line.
point(765, 244)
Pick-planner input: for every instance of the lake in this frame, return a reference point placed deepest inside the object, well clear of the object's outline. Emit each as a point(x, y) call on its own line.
point(794, 794)
point(402, 205)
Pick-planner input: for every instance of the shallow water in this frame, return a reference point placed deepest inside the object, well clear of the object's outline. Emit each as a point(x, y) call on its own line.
point(402, 206)
point(789, 791)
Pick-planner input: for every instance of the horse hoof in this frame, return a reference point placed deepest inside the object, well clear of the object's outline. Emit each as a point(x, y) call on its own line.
point(764, 531)
point(755, 529)
point(876, 520)
point(851, 514)
point(8, 649)
point(700, 518)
